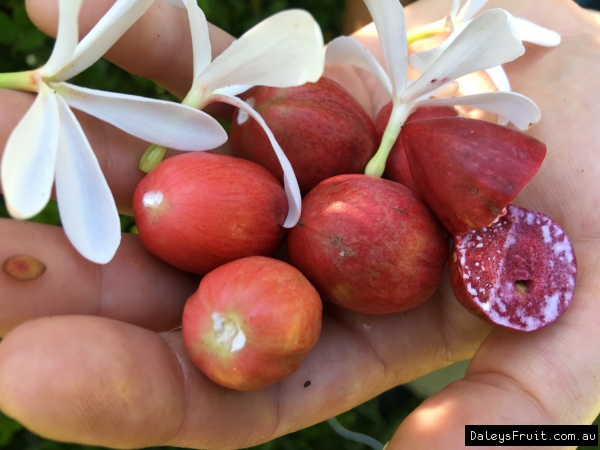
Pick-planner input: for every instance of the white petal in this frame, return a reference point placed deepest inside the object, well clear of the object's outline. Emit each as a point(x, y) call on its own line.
point(470, 8)
point(530, 32)
point(28, 162)
point(515, 107)
point(105, 33)
point(454, 8)
point(87, 209)
point(487, 41)
point(66, 38)
point(499, 78)
point(164, 123)
point(178, 3)
point(424, 59)
point(390, 21)
point(347, 50)
point(290, 182)
point(282, 51)
point(233, 90)
point(200, 37)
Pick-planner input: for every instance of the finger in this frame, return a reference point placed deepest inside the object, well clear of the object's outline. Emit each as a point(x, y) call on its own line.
point(134, 287)
point(158, 46)
point(120, 386)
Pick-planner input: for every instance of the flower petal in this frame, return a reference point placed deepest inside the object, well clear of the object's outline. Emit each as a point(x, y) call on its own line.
point(424, 59)
point(347, 50)
point(178, 3)
point(390, 21)
point(233, 90)
point(499, 78)
point(66, 38)
point(530, 32)
point(470, 8)
point(282, 51)
point(164, 123)
point(454, 8)
point(105, 33)
point(488, 41)
point(27, 171)
point(87, 209)
point(517, 108)
point(290, 182)
point(200, 37)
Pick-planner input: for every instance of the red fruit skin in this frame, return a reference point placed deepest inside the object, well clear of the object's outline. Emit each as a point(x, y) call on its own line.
point(368, 244)
point(321, 128)
point(214, 209)
point(274, 307)
point(524, 246)
point(396, 167)
point(469, 170)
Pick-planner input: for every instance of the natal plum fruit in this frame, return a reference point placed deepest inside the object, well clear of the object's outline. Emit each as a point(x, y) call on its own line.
point(197, 211)
point(321, 128)
point(368, 244)
point(251, 322)
point(518, 273)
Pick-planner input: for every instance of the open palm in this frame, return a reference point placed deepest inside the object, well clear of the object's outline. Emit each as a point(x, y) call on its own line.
point(106, 370)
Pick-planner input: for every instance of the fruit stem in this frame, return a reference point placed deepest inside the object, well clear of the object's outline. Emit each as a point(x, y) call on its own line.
point(21, 81)
point(376, 165)
point(427, 31)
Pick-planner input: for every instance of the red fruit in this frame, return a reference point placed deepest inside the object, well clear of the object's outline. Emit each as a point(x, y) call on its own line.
point(518, 273)
point(368, 244)
point(251, 322)
point(396, 167)
point(197, 211)
point(321, 128)
point(469, 170)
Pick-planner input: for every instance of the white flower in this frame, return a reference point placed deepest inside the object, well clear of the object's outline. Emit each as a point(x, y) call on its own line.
point(487, 41)
point(48, 143)
point(284, 50)
point(457, 21)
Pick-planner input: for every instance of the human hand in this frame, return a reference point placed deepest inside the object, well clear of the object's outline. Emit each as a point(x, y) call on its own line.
point(549, 376)
point(104, 381)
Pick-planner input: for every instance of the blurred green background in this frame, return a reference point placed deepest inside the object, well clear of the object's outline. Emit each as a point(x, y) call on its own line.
point(23, 47)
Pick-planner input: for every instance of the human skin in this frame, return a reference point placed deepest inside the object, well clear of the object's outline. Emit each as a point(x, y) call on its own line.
point(106, 370)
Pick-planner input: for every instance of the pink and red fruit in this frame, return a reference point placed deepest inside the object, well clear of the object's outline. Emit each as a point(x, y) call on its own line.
point(197, 211)
point(368, 244)
point(251, 322)
point(518, 273)
point(321, 128)
point(396, 167)
point(469, 170)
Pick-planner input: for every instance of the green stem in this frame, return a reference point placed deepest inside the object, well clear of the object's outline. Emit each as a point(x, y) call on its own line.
point(21, 81)
point(154, 154)
point(399, 115)
point(427, 31)
point(152, 157)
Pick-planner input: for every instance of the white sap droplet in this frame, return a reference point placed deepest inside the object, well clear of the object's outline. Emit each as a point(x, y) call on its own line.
point(239, 341)
point(152, 199)
point(217, 321)
point(479, 245)
point(342, 253)
point(367, 327)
